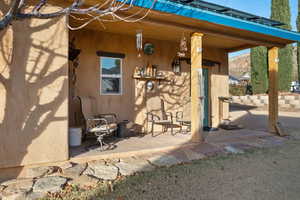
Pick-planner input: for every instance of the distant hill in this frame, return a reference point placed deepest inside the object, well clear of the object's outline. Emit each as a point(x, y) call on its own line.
point(241, 64)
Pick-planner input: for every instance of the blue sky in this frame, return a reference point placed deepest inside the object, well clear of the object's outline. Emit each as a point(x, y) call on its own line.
point(257, 7)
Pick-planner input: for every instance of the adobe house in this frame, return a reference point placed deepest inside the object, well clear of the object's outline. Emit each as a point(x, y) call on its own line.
point(37, 87)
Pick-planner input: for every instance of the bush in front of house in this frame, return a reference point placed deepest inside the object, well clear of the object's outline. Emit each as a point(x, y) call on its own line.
point(237, 90)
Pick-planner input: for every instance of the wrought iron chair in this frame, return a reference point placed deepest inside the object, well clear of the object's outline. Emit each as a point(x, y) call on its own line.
point(183, 118)
point(100, 125)
point(158, 116)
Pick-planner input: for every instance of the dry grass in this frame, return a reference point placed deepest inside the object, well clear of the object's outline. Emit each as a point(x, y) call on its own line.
point(258, 174)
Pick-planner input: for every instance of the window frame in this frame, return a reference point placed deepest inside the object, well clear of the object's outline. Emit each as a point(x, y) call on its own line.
point(120, 76)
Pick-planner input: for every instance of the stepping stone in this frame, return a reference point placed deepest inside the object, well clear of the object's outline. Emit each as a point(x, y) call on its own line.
point(75, 170)
point(164, 160)
point(192, 155)
point(102, 170)
point(131, 166)
point(49, 184)
point(35, 195)
point(16, 189)
point(40, 171)
point(14, 196)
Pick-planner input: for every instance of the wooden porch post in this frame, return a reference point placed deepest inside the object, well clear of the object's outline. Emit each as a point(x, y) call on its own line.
point(197, 88)
point(273, 88)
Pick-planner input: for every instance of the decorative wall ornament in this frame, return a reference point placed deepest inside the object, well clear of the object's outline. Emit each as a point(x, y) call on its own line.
point(148, 48)
point(183, 48)
point(149, 86)
point(139, 42)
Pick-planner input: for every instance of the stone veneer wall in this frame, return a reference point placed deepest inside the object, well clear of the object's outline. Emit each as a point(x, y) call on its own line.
point(287, 101)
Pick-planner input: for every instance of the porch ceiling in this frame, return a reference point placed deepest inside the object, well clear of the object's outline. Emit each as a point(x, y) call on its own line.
point(170, 27)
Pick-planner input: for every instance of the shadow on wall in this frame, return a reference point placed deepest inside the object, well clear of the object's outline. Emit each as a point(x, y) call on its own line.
point(33, 91)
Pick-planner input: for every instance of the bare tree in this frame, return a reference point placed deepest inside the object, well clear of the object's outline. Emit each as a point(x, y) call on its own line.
point(18, 10)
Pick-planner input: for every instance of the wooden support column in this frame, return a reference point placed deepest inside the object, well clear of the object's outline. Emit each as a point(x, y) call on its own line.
point(273, 88)
point(197, 88)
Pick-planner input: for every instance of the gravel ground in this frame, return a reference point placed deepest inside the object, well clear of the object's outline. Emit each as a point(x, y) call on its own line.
point(269, 174)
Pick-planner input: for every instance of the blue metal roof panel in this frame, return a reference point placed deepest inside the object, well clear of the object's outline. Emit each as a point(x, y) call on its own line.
point(216, 18)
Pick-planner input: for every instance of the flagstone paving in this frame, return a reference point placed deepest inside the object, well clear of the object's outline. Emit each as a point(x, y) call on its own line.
point(43, 180)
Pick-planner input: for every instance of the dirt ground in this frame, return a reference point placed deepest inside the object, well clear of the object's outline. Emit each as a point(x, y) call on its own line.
point(262, 174)
point(270, 174)
point(259, 174)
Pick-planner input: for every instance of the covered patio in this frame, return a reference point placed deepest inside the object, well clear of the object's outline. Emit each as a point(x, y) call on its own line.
point(199, 82)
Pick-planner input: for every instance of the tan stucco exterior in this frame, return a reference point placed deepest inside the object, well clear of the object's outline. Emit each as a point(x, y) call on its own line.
point(34, 92)
point(132, 104)
point(34, 86)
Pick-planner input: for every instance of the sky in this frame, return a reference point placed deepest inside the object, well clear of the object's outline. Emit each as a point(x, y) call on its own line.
point(257, 7)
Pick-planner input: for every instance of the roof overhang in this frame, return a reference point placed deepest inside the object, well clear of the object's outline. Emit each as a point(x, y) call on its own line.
point(168, 21)
point(208, 16)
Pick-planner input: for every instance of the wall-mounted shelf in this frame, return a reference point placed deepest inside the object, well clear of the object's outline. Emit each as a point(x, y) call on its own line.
point(149, 78)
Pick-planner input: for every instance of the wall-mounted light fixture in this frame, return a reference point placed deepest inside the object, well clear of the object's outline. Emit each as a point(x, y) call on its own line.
point(176, 66)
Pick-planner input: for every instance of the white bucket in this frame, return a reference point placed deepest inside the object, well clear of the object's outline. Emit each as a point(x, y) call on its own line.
point(75, 137)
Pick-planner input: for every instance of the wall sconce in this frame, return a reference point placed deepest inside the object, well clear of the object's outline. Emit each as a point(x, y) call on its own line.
point(176, 66)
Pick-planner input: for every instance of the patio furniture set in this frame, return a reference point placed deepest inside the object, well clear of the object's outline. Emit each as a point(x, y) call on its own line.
point(103, 125)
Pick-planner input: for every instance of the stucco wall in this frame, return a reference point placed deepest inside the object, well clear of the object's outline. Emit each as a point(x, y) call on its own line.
point(132, 105)
point(33, 92)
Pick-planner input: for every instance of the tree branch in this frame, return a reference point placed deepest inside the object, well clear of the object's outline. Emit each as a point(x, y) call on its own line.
point(96, 12)
point(6, 20)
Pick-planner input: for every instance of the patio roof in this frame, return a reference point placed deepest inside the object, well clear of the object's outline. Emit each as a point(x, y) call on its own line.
point(222, 18)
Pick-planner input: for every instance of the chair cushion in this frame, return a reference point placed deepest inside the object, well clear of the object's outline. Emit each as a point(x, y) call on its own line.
point(102, 128)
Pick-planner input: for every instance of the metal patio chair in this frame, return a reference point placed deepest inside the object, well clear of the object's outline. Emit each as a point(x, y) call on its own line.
point(183, 118)
point(158, 116)
point(100, 125)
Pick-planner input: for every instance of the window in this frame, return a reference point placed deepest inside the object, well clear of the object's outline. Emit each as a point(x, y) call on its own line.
point(111, 76)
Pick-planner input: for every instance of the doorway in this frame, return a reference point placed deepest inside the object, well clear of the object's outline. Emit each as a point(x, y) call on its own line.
point(205, 75)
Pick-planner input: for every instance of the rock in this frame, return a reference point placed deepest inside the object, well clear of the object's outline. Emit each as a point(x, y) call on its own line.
point(13, 196)
point(85, 181)
point(40, 171)
point(232, 149)
point(16, 189)
point(66, 165)
point(49, 184)
point(102, 170)
point(131, 166)
point(192, 155)
point(164, 160)
point(75, 171)
point(35, 195)
point(14, 181)
point(18, 186)
point(2, 187)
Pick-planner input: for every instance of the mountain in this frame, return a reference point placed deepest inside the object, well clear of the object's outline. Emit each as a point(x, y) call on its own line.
point(241, 64)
